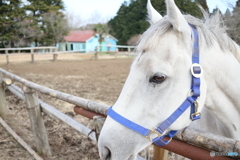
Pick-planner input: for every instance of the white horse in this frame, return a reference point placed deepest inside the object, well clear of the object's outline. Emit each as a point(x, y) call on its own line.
point(160, 80)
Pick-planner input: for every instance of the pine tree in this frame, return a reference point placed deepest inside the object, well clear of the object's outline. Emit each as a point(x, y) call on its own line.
point(11, 14)
point(37, 10)
point(203, 4)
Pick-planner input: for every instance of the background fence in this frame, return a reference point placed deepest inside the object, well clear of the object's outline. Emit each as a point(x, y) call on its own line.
point(34, 52)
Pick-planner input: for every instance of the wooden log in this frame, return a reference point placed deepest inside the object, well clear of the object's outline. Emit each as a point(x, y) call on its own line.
point(19, 140)
point(54, 113)
point(3, 104)
point(209, 141)
point(86, 104)
point(191, 151)
point(37, 123)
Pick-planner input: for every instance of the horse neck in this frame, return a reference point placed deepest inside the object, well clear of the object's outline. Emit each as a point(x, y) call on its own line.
point(222, 75)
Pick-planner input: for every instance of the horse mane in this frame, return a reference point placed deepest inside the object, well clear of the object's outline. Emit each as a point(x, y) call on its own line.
point(211, 29)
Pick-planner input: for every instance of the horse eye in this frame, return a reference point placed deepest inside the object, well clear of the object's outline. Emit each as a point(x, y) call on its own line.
point(157, 79)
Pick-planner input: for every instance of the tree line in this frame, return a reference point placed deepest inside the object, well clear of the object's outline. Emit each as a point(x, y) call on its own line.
point(232, 21)
point(131, 19)
point(32, 22)
point(42, 22)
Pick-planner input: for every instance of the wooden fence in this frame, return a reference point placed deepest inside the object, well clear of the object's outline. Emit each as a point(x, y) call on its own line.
point(35, 50)
point(36, 106)
point(120, 51)
point(119, 48)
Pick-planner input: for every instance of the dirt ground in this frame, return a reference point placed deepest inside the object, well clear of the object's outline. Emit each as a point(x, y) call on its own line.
point(97, 80)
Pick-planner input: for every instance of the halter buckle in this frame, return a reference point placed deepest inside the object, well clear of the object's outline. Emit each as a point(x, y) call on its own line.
point(196, 115)
point(196, 70)
point(153, 134)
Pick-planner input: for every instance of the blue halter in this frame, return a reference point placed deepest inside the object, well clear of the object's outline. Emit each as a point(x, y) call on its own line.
point(191, 100)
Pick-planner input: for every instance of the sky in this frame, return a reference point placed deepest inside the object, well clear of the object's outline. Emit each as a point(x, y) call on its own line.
point(104, 10)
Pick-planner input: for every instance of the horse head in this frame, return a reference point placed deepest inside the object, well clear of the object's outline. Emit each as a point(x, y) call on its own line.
point(159, 82)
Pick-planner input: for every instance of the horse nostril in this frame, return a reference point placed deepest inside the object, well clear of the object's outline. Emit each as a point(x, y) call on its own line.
point(106, 154)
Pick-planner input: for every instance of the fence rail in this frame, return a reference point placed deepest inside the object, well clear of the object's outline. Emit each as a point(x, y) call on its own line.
point(49, 50)
point(204, 140)
point(87, 104)
point(54, 113)
point(120, 50)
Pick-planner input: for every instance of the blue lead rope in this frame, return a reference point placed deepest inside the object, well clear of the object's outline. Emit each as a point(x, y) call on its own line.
point(195, 93)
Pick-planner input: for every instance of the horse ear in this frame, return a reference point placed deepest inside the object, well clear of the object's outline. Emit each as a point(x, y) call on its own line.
point(153, 15)
point(175, 16)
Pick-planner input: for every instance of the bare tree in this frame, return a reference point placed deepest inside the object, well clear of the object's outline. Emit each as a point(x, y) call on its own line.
point(55, 27)
point(97, 17)
point(232, 21)
point(229, 3)
point(74, 20)
point(25, 33)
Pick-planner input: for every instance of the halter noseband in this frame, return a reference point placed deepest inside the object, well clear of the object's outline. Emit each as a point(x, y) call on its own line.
point(192, 100)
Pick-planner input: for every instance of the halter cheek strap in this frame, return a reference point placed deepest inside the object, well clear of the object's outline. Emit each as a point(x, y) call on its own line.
point(192, 100)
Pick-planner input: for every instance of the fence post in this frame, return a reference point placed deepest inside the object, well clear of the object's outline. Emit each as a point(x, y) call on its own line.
point(129, 51)
point(160, 153)
point(116, 52)
point(96, 53)
point(32, 55)
point(7, 56)
point(98, 122)
point(3, 104)
point(37, 123)
point(55, 55)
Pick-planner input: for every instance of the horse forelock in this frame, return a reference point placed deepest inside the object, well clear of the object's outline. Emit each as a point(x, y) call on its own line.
point(211, 30)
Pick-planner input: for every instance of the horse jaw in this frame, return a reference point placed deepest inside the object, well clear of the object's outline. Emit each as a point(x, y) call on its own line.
point(176, 18)
point(110, 142)
point(153, 15)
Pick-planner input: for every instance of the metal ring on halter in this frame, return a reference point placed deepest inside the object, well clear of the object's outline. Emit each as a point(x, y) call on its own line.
point(169, 140)
point(194, 73)
point(153, 132)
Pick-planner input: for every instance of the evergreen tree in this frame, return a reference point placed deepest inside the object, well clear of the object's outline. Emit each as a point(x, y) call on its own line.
point(189, 7)
point(227, 15)
point(37, 10)
point(204, 5)
point(131, 18)
point(234, 25)
point(11, 14)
